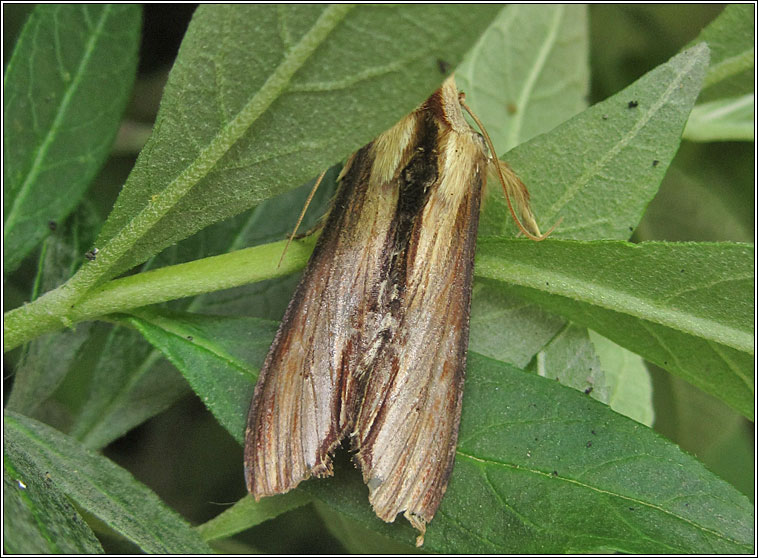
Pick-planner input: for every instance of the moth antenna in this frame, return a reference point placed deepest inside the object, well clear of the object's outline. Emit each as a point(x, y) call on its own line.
point(302, 215)
point(515, 182)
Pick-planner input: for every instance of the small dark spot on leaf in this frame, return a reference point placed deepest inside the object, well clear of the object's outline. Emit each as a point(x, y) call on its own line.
point(443, 66)
point(655, 162)
point(589, 444)
point(588, 390)
point(555, 473)
point(190, 338)
point(52, 225)
point(605, 117)
point(633, 104)
point(91, 254)
point(511, 108)
point(681, 271)
point(631, 508)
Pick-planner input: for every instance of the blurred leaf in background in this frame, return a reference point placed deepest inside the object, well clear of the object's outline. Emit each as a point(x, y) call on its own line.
point(163, 391)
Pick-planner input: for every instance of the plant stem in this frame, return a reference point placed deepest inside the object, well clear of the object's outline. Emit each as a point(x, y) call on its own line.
point(54, 310)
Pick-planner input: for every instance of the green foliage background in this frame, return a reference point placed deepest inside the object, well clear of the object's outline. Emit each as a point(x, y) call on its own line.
point(107, 388)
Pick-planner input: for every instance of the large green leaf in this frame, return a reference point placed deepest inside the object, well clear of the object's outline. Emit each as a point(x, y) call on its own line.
point(687, 307)
point(563, 472)
point(102, 488)
point(599, 170)
point(65, 89)
point(37, 517)
point(528, 72)
point(731, 38)
point(568, 475)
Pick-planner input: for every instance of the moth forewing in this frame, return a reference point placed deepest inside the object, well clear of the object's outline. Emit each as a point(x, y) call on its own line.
point(373, 344)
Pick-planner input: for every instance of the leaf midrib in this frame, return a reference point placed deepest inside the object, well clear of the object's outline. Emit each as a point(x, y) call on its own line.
point(37, 167)
point(596, 166)
point(603, 296)
point(642, 503)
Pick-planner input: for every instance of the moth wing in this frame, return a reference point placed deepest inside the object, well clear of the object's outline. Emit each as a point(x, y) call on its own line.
point(407, 427)
point(306, 397)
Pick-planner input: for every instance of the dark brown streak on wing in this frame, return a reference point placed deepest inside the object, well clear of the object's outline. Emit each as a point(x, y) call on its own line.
point(408, 421)
point(414, 183)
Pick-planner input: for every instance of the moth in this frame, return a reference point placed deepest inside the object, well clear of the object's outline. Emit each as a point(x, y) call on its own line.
point(373, 344)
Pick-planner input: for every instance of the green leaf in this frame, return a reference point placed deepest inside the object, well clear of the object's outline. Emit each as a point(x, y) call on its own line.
point(517, 429)
point(687, 307)
point(570, 358)
point(358, 538)
point(66, 87)
point(723, 120)
point(731, 39)
point(215, 355)
point(103, 488)
point(565, 474)
point(629, 380)
point(262, 97)
point(528, 72)
point(118, 382)
point(247, 513)
point(508, 328)
point(599, 170)
point(37, 517)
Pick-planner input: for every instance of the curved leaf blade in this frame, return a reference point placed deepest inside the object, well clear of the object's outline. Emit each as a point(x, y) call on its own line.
point(731, 38)
point(103, 488)
point(37, 517)
point(528, 72)
point(687, 307)
point(542, 469)
point(599, 170)
point(65, 88)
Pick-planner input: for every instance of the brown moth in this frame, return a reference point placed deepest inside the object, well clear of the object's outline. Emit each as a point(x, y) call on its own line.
point(373, 343)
